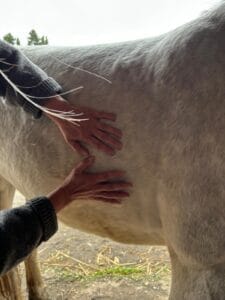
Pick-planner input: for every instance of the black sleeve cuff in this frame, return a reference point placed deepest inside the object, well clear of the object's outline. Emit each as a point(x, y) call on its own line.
point(47, 215)
point(28, 77)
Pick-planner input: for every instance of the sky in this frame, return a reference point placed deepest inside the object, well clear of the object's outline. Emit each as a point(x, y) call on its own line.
point(83, 22)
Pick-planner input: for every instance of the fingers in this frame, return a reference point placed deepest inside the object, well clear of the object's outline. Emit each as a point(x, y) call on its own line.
point(113, 195)
point(84, 164)
point(107, 139)
point(106, 116)
point(112, 186)
point(101, 146)
point(78, 147)
point(110, 129)
point(108, 175)
point(112, 201)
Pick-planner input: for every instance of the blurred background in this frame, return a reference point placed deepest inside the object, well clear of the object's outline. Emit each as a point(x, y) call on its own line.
point(82, 22)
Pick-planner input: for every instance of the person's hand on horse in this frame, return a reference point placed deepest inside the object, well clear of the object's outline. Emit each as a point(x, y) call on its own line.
point(92, 131)
point(83, 185)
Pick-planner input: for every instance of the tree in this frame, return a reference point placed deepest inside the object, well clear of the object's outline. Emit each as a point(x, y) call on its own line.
point(34, 39)
point(18, 42)
point(9, 38)
point(43, 40)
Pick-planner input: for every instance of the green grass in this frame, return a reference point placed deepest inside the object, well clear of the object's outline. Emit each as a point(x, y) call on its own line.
point(133, 272)
point(63, 267)
point(117, 271)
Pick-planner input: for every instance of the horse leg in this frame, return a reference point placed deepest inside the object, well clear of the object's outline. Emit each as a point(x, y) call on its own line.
point(35, 285)
point(10, 284)
point(191, 282)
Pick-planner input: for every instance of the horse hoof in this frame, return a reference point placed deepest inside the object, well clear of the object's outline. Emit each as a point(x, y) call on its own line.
point(39, 294)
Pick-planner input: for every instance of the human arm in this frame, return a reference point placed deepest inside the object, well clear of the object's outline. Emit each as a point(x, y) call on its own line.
point(22, 229)
point(24, 74)
point(27, 76)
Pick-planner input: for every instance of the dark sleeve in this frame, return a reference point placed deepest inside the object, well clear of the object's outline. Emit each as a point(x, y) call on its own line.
point(27, 76)
point(22, 229)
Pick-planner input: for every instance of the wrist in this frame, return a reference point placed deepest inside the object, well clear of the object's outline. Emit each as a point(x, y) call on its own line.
point(58, 198)
point(56, 103)
point(59, 104)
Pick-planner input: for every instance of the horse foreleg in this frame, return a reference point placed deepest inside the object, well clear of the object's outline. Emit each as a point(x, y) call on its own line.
point(10, 284)
point(35, 285)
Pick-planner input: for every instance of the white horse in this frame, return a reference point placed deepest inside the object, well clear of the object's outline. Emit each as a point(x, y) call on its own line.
point(169, 95)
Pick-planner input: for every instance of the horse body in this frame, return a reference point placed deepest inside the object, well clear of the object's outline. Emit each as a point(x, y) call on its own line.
point(37, 174)
point(169, 95)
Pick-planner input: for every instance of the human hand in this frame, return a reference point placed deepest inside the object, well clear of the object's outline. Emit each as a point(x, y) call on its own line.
point(80, 184)
point(92, 131)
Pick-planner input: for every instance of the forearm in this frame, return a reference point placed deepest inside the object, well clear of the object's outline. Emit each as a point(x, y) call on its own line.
point(22, 229)
point(28, 77)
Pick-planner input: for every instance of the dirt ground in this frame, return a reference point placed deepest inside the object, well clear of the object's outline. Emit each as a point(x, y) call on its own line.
point(72, 260)
point(76, 265)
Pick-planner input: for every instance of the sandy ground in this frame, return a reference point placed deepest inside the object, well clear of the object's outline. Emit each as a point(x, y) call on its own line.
point(76, 265)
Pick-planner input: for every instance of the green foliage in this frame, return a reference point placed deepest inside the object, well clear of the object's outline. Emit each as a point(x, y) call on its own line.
point(34, 39)
point(18, 42)
point(9, 38)
point(43, 40)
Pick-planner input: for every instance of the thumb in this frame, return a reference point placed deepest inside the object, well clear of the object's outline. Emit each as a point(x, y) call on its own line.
point(84, 164)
